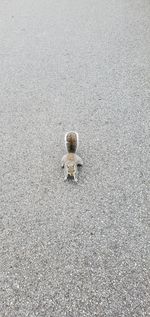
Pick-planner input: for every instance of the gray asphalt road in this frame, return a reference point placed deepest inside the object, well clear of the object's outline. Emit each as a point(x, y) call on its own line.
point(66, 249)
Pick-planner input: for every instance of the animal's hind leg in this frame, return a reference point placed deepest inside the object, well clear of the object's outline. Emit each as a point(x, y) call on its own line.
point(63, 161)
point(66, 174)
point(79, 160)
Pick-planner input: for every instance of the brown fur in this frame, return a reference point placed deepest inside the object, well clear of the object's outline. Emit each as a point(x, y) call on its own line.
point(71, 160)
point(71, 142)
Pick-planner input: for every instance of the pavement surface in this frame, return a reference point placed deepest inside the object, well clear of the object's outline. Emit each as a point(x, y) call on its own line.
point(70, 249)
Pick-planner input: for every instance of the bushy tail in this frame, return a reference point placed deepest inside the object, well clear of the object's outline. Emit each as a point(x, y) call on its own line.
point(71, 141)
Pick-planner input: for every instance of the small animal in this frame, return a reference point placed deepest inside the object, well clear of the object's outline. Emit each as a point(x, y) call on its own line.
point(71, 160)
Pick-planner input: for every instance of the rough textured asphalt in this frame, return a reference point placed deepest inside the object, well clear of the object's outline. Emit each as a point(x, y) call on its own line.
point(66, 249)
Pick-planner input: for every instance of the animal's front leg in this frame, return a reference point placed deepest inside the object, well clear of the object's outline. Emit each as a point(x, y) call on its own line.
point(75, 179)
point(75, 175)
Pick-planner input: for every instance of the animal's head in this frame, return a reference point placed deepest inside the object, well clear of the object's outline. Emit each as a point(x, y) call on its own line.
point(71, 169)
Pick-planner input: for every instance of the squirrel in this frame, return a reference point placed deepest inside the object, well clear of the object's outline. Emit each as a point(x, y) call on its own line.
point(71, 160)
